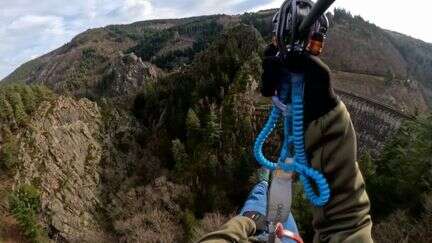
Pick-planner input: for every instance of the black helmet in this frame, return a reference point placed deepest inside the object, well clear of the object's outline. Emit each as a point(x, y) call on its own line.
point(287, 22)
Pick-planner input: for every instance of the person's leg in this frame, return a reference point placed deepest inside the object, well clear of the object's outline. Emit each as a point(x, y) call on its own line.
point(257, 202)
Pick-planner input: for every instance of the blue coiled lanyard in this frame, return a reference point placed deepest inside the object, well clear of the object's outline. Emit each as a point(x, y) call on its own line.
point(293, 136)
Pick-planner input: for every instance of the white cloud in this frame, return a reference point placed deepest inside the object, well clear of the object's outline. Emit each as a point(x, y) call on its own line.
point(411, 18)
point(137, 8)
point(52, 25)
point(29, 36)
point(272, 4)
point(31, 28)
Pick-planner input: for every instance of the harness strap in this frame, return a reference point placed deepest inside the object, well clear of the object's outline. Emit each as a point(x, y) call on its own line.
point(279, 196)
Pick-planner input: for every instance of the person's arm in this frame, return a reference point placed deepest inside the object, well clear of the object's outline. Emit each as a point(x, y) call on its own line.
point(332, 149)
point(331, 144)
point(250, 227)
point(238, 229)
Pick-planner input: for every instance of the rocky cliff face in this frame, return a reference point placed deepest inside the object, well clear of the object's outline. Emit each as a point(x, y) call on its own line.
point(127, 74)
point(96, 182)
point(60, 153)
point(149, 213)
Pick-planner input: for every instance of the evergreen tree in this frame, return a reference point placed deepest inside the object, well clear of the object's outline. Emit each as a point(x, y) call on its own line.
point(18, 107)
point(179, 154)
point(192, 124)
point(25, 204)
point(28, 98)
point(405, 164)
point(42, 93)
point(213, 129)
point(6, 110)
point(9, 149)
point(8, 154)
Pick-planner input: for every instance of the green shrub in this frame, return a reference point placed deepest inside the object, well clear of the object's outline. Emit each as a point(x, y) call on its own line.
point(18, 101)
point(9, 150)
point(8, 154)
point(193, 125)
point(189, 224)
point(42, 93)
point(6, 110)
point(405, 164)
point(180, 156)
point(213, 129)
point(90, 58)
point(174, 58)
point(18, 106)
point(24, 205)
point(88, 53)
point(400, 226)
point(28, 98)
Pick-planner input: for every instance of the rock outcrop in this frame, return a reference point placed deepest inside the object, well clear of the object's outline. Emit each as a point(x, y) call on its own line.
point(127, 75)
point(92, 174)
point(60, 154)
point(149, 213)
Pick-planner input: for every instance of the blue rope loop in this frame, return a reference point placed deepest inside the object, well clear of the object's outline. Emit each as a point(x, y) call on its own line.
point(293, 135)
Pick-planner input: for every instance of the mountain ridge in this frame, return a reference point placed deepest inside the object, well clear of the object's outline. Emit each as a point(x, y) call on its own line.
point(354, 45)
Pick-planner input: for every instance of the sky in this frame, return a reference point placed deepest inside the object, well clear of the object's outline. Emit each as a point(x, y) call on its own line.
point(31, 28)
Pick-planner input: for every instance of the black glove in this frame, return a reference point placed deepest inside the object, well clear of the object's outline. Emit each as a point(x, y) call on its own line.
point(319, 96)
point(271, 75)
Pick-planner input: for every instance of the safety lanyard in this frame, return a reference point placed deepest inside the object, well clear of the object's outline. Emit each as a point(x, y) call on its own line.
point(295, 161)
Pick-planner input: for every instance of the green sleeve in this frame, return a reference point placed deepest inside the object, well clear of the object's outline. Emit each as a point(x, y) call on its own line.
point(238, 229)
point(331, 145)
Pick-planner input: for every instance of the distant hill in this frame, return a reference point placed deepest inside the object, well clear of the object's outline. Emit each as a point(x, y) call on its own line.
point(380, 64)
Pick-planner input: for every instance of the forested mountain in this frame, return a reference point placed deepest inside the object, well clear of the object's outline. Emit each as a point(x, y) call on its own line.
point(137, 133)
point(386, 66)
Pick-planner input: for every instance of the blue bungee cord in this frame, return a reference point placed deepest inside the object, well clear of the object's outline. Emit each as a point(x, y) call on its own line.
point(293, 135)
